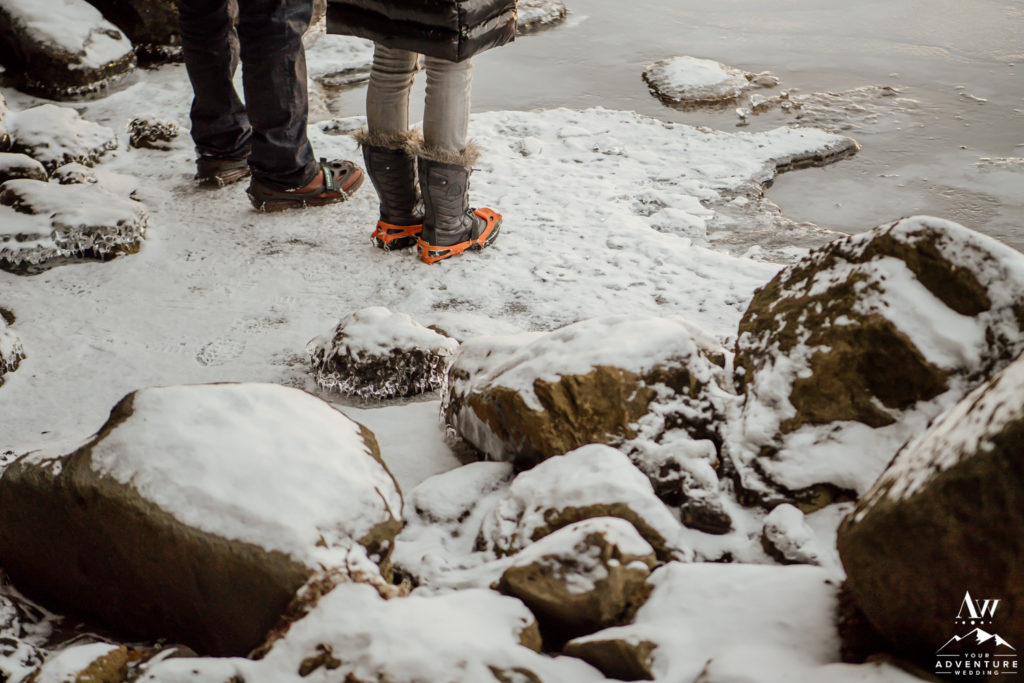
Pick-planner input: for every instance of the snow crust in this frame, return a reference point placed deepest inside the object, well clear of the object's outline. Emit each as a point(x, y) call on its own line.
point(71, 26)
point(236, 461)
point(591, 475)
point(65, 666)
point(55, 135)
point(455, 637)
point(700, 612)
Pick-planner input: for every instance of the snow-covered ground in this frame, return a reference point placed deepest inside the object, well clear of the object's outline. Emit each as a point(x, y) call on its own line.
point(606, 212)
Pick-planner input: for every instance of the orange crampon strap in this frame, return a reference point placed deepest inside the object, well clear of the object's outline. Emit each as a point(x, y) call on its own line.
point(388, 236)
point(431, 254)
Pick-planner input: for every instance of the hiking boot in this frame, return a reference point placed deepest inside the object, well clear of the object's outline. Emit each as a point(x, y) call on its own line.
point(393, 174)
point(336, 182)
point(217, 172)
point(450, 226)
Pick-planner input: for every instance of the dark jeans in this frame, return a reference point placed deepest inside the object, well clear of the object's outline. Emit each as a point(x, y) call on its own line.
point(270, 128)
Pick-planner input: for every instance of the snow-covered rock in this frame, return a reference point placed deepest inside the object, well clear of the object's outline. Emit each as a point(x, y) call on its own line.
point(945, 518)
point(92, 663)
point(11, 350)
point(5, 137)
point(43, 221)
point(884, 329)
point(377, 354)
point(788, 538)
point(592, 481)
point(225, 496)
point(697, 613)
point(471, 636)
point(151, 25)
point(62, 49)
point(55, 135)
point(529, 397)
point(534, 15)
point(24, 630)
point(152, 133)
point(581, 578)
point(17, 166)
point(694, 81)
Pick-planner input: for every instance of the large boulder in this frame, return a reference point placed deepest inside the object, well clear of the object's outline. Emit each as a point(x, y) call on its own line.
point(863, 337)
point(11, 350)
point(54, 136)
point(946, 519)
point(196, 512)
point(581, 578)
point(592, 481)
point(355, 635)
point(533, 396)
point(61, 49)
point(376, 354)
point(151, 25)
point(47, 221)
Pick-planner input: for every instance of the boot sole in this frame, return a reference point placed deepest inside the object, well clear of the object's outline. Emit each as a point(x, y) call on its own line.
point(270, 205)
point(391, 237)
point(431, 254)
point(222, 179)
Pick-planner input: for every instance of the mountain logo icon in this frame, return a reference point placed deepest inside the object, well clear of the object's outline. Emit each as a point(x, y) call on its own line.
point(976, 641)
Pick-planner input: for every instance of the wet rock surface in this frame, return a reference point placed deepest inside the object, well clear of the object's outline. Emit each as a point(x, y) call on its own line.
point(145, 510)
point(581, 578)
point(945, 517)
point(529, 397)
point(64, 51)
point(867, 328)
point(376, 354)
point(55, 135)
point(45, 222)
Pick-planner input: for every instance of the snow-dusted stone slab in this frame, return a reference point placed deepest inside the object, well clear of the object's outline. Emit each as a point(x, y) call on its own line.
point(227, 497)
point(48, 221)
point(529, 397)
point(151, 25)
point(694, 81)
point(699, 612)
point(866, 333)
point(788, 538)
point(355, 635)
point(55, 135)
point(16, 166)
point(11, 350)
point(62, 49)
point(581, 578)
point(592, 481)
point(534, 15)
point(377, 354)
point(945, 518)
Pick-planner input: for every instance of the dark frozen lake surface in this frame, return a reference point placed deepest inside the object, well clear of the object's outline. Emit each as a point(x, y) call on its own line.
point(955, 152)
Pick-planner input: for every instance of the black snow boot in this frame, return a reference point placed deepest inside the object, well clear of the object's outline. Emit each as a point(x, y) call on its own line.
point(450, 226)
point(393, 174)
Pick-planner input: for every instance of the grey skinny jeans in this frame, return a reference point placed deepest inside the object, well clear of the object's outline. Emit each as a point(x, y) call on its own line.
point(446, 109)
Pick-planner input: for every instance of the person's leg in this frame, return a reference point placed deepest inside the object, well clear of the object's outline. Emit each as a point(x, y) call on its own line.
point(385, 144)
point(220, 127)
point(446, 158)
point(274, 79)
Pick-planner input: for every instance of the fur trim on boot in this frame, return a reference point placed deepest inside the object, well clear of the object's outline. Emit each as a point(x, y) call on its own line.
point(466, 157)
point(387, 139)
